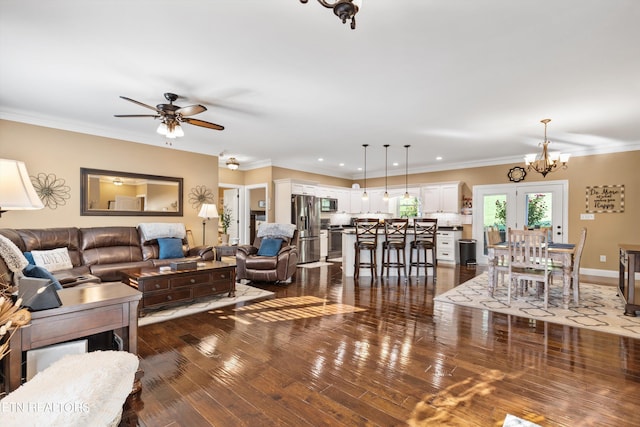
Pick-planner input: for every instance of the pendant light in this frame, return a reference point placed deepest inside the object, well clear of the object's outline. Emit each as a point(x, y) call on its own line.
point(365, 196)
point(385, 196)
point(406, 174)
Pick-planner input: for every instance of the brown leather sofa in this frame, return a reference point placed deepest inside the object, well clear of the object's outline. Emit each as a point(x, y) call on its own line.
point(96, 251)
point(279, 268)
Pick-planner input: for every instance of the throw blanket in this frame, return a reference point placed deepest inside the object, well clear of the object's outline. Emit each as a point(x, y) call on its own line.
point(274, 229)
point(158, 230)
point(80, 390)
point(12, 255)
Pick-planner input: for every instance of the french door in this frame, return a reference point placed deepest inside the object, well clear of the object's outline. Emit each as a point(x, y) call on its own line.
point(537, 205)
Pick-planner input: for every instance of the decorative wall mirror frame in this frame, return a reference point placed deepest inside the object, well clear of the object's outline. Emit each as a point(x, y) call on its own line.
point(114, 193)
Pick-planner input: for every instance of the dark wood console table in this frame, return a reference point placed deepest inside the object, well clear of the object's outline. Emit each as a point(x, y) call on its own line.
point(161, 287)
point(85, 311)
point(629, 289)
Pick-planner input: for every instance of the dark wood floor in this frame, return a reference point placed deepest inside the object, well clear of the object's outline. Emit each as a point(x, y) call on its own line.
point(326, 352)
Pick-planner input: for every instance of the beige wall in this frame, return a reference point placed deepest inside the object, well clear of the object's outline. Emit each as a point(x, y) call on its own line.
point(63, 153)
point(604, 233)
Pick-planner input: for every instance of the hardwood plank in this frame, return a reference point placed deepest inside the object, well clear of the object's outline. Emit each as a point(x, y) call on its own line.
point(400, 361)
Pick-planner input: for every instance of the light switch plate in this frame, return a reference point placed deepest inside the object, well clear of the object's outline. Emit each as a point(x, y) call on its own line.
point(587, 216)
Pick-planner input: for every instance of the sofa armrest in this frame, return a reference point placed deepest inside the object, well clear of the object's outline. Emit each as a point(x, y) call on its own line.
point(201, 251)
point(247, 250)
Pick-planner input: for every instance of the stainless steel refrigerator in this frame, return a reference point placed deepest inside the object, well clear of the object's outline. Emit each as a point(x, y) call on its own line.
point(305, 214)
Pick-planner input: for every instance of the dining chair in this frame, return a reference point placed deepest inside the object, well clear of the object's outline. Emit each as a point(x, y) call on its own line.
point(492, 236)
point(424, 241)
point(395, 233)
point(528, 261)
point(366, 240)
point(575, 267)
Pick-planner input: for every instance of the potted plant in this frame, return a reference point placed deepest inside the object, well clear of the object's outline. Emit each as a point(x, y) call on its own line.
point(225, 221)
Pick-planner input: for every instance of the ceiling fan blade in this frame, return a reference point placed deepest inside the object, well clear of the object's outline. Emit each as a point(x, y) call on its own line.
point(190, 110)
point(155, 116)
point(141, 104)
point(203, 124)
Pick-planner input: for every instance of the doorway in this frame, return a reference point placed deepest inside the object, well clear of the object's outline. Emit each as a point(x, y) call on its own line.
point(535, 205)
point(244, 202)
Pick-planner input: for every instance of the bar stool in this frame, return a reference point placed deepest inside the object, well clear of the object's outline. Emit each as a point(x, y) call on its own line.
point(424, 240)
point(366, 240)
point(395, 232)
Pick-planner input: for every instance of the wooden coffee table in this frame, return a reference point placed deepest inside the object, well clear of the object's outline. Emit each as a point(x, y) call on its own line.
point(161, 287)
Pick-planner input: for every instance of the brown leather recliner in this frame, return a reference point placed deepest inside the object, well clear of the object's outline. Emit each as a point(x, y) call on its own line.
point(279, 268)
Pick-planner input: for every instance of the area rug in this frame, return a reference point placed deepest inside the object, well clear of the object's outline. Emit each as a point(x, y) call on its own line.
point(244, 293)
point(314, 264)
point(600, 309)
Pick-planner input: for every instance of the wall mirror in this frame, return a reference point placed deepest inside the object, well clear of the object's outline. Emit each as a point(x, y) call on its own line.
point(111, 193)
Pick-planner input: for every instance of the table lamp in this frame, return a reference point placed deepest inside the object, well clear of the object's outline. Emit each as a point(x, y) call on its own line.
point(207, 211)
point(16, 191)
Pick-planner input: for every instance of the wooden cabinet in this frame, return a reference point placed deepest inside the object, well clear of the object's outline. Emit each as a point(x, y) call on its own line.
point(447, 246)
point(444, 197)
point(629, 287)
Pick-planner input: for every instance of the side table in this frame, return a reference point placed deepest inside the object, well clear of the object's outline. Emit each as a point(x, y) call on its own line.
point(225, 250)
point(84, 311)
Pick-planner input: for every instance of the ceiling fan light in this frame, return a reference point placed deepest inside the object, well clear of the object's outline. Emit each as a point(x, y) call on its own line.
point(162, 128)
point(178, 131)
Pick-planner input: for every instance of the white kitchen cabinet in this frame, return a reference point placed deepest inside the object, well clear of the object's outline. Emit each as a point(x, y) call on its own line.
point(324, 244)
point(304, 189)
point(444, 197)
point(344, 200)
point(357, 205)
point(447, 246)
point(284, 189)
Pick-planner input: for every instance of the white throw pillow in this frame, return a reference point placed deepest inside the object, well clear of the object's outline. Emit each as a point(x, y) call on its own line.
point(53, 260)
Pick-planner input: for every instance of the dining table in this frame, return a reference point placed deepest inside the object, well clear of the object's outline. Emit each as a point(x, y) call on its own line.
point(561, 255)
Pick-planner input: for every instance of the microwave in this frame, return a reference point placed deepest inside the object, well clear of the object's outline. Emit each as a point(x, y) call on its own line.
point(328, 205)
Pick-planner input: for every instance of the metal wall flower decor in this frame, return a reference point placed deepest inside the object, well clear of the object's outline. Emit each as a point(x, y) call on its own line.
point(52, 190)
point(199, 195)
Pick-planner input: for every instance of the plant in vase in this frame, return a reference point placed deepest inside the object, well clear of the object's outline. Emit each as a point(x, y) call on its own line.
point(225, 221)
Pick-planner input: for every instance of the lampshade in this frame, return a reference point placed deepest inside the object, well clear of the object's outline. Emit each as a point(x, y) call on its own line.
point(208, 211)
point(16, 190)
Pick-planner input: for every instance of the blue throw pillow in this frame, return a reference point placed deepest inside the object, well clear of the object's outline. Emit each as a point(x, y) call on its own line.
point(29, 257)
point(170, 248)
point(41, 273)
point(269, 247)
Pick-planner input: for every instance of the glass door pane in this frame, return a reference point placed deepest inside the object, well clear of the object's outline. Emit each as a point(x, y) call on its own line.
point(495, 215)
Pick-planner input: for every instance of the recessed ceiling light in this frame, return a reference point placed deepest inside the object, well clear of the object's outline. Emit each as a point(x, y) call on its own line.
point(341, 164)
point(321, 159)
point(395, 163)
point(359, 169)
point(439, 158)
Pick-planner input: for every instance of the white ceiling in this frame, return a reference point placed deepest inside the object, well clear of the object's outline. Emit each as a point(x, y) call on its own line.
point(468, 80)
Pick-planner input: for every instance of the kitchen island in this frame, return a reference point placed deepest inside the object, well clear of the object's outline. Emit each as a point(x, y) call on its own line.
point(348, 255)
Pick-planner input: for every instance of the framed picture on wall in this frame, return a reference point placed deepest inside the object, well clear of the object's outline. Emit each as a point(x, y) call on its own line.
point(262, 204)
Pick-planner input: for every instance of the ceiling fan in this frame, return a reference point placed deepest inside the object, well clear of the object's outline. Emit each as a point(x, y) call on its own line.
point(172, 115)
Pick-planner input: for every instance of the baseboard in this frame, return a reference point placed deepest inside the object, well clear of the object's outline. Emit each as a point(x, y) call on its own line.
point(599, 273)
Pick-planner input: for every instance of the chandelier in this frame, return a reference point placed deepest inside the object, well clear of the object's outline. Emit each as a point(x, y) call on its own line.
point(546, 161)
point(343, 9)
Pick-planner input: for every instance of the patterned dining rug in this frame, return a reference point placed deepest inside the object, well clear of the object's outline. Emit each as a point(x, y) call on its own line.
point(600, 309)
point(244, 293)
